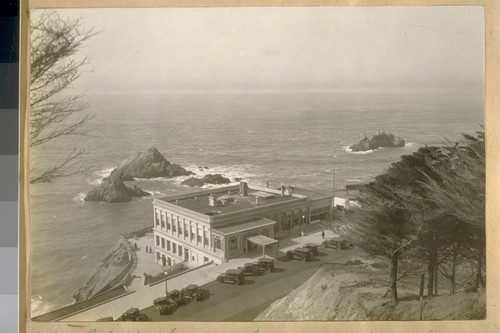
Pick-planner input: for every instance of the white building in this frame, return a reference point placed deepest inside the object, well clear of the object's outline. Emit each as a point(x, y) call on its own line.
point(218, 224)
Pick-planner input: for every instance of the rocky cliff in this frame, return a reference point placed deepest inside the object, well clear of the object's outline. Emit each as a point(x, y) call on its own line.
point(148, 165)
point(112, 189)
point(216, 179)
point(113, 268)
point(380, 139)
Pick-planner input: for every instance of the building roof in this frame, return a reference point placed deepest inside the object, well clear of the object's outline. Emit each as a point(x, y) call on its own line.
point(242, 227)
point(262, 240)
point(199, 202)
point(311, 194)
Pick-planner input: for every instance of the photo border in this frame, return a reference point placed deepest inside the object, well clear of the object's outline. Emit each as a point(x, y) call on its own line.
point(492, 124)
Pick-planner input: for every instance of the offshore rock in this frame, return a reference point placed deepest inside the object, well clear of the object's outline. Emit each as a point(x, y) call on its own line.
point(113, 190)
point(150, 164)
point(215, 179)
point(380, 139)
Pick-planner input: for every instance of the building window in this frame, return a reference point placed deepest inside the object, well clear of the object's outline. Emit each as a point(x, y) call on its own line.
point(198, 238)
point(168, 245)
point(157, 220)
point(205, 259)
point(157, 240)
point(173, 227)
point(158, 256)
point(205, 239)
point(217, 243)
point(186, 230)
point(180, 250)
point(174, 247)
point(168, 225)
point(163, 243)
point(233, 243)
point(162, 222)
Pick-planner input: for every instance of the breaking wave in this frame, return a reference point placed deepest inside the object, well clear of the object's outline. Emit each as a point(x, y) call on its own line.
point(99, 175)
point(349, 150)
point(39, 306)
point(79, 198)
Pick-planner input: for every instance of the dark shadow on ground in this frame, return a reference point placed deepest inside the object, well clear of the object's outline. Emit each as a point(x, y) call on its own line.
point(248, 282)
point(278, 270)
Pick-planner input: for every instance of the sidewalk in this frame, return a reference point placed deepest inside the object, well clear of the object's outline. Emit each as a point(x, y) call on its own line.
point(144, 296)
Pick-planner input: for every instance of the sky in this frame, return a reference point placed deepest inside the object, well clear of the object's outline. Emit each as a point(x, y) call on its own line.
point(299, 48)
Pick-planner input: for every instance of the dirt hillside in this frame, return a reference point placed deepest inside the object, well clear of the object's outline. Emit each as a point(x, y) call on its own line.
point(354, 291)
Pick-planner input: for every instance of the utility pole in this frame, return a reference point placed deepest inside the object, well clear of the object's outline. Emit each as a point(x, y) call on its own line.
point(166, 283)
point(333, 185)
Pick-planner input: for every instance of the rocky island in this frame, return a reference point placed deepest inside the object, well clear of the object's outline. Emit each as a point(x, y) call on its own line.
point(150, 164)
point(113, 190)
point(144, 165)
point(215, 179)
point(380, 139)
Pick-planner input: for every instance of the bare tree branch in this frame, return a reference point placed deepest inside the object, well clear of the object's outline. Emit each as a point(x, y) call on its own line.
point(55, 65)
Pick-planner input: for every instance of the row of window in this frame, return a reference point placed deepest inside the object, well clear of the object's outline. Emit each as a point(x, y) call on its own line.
point(168, 245)
point(181, 229)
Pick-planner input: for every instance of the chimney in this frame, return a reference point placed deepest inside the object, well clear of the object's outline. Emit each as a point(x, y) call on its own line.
point(282, 190)
point(211, 200)
point(267, 184)
point(243, 189)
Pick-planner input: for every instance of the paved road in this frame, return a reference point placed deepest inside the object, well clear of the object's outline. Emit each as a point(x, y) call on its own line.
point(229, 302)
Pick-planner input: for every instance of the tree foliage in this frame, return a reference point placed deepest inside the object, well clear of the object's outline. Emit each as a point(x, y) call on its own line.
point(55, 65)
point(428, 208)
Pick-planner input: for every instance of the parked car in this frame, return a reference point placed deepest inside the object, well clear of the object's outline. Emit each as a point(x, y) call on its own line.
point(178, 297)
point(193, 291)
point(266, 264)
point(232, 275)
point(250, 268)
point(165, 305)
point(300, 253)
point(133, 314)
point(313, 248)
point(340, 244)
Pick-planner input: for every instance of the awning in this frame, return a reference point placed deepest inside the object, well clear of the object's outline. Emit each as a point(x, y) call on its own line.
point(242, 227)
point(262, 240)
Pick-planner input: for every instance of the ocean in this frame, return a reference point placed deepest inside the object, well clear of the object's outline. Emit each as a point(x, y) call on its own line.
point(300, 138)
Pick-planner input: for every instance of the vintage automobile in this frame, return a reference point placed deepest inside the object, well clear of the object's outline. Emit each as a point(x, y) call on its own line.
point(300, 253)
point(194, 292)
point(340, 244)
point(165, 305)
point(133, 314)
point(232, 275)
point(313, 248)
point(250, 268)
point(266, 264)
point(178, 297)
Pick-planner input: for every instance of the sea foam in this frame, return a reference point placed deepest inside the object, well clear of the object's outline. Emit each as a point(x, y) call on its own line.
point(39, 306)
point(349, 150)
point(99, 175)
